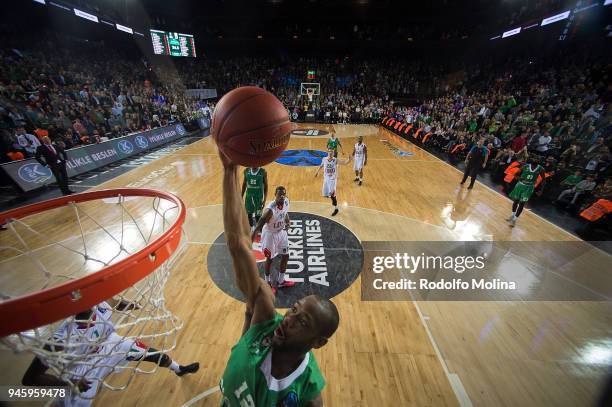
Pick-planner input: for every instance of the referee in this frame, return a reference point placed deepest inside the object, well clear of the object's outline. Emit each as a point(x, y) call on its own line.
point(475, 160)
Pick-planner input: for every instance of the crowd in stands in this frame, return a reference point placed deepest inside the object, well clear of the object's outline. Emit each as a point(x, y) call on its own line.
point(352, 91)
point(45, 91)
point(558, 115)
point(79, 97)
point(555, 111)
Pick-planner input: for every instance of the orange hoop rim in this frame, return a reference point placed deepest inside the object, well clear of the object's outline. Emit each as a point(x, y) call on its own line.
point(53, 304)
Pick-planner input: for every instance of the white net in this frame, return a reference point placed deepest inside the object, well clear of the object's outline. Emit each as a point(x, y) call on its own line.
point(113, 341)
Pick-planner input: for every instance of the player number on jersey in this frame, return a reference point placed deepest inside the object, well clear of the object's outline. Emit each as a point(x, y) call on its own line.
point(247, 401)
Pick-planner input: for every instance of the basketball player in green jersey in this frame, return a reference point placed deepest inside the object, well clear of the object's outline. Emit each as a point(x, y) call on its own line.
point(272, 364)
point(255, 184)
point(333, 143)
point(524, 189)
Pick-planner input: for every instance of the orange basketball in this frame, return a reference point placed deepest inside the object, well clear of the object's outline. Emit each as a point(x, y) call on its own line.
point(251, 126)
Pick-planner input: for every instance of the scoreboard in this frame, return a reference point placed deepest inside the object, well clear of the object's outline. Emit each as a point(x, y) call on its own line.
point(173, 44)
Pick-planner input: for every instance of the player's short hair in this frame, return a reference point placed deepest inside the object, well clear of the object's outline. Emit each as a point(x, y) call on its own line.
point(331, 317)
point(280, 188)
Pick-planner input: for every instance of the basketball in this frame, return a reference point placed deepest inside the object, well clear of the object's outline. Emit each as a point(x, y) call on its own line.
point(251, 126)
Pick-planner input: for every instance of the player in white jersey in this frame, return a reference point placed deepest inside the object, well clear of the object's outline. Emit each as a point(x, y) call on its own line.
point(91, 333)
point(360, 153)
point(273, 224)
point(330, 175)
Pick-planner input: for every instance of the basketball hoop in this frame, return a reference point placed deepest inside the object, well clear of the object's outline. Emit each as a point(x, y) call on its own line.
point(66, 255)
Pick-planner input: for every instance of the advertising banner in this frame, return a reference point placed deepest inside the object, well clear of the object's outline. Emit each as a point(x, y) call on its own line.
point(29, 174)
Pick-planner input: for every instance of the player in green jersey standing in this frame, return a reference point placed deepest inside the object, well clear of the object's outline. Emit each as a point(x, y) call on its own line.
point(333, 143)
point(524, 189)
point(272, 364)
point(255, 184)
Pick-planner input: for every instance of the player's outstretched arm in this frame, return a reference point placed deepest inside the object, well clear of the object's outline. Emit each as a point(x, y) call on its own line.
point(243, 186)
point(265, 217)
point(318, 169)
point(37, 375)
point(258, 295)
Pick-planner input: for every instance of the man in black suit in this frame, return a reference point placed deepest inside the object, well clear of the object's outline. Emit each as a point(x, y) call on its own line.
point(55, 158)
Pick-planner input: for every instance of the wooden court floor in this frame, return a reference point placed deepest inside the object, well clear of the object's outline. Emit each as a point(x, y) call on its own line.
point(390, 353)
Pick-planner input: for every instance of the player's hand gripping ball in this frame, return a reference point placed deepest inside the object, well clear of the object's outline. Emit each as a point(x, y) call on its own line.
point(251, 126)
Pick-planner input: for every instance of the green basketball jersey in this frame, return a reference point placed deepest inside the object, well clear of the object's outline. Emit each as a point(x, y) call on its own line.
point(248, 382)
point(332, 144)
point(528, 176)
point(255, 181)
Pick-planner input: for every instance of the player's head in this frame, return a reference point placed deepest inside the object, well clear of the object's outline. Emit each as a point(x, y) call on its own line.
point(360, 139)
point(330, 152)
point(308, 324)
point(480, 142)
point(280, 194)
point(84, 315)
point(84, 318)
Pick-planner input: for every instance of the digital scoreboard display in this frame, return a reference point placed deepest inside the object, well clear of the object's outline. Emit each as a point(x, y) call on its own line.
point(173, 44)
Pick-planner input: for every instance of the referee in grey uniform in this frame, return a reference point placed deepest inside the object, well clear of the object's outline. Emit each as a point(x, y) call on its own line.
point(475, 160)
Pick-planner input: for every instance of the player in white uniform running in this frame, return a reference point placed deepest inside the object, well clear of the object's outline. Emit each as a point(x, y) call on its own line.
point(360, 153)
point(92, 333)
point(273, 224)
point(330, 175)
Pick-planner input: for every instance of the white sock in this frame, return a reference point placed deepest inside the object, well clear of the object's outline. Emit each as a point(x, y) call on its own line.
point(281, 278)
point(174, 367)
point(267, 278)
